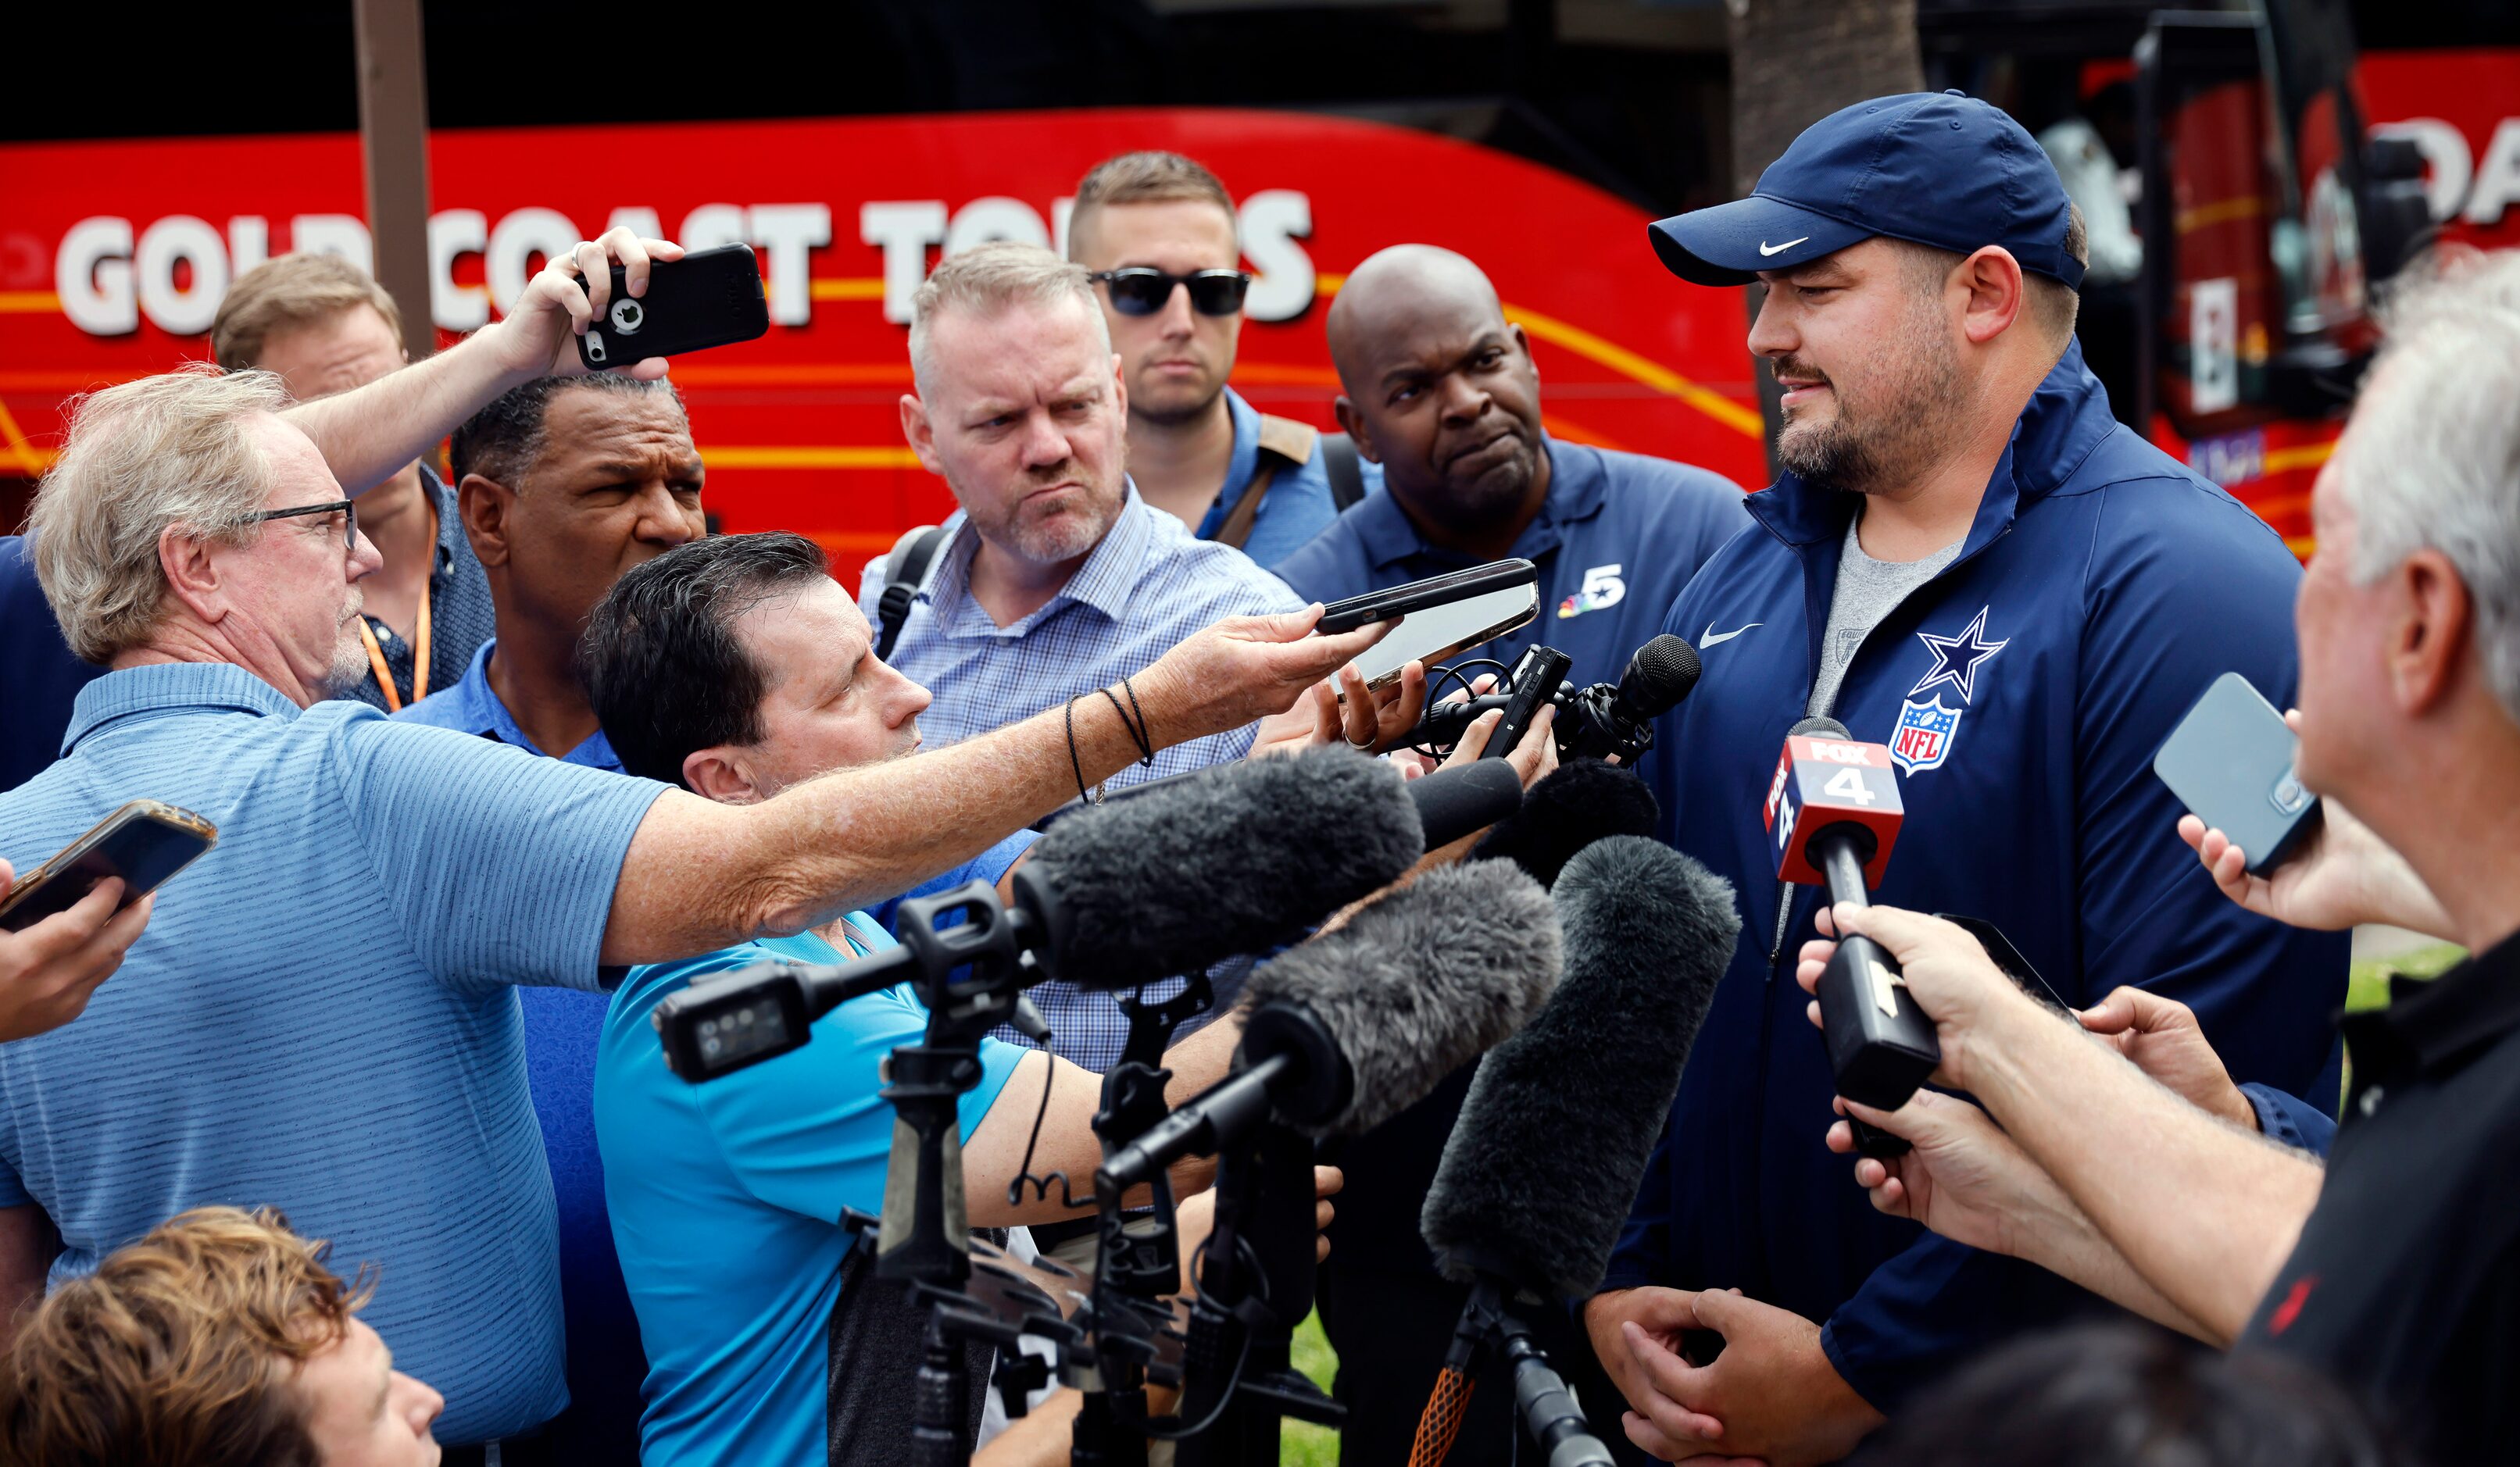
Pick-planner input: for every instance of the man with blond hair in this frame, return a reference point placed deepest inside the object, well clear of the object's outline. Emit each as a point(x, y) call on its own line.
point(219, 1340)
point(1056, 578)
point(1162, 237)
point(327, 326)
point(321, 1014)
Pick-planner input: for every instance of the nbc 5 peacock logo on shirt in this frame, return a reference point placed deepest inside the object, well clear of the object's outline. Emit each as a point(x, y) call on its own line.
point(1928, 726)
point(1601, 590)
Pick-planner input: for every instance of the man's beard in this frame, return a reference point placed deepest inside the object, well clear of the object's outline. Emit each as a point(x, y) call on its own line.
point(349, 666)
point(1072, 532)
point(1882, 446)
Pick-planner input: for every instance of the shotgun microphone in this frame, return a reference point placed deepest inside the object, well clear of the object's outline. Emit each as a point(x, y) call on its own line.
point(1352, 1027)
point(1542, 1168)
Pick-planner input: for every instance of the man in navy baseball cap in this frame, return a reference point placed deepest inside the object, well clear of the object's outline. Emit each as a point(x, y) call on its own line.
point(1935, 168)
point(1967, 560)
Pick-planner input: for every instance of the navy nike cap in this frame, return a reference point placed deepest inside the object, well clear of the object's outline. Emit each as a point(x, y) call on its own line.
point(1937, 168)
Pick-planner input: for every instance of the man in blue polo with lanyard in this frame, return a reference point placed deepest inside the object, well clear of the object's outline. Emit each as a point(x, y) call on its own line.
point(1969, 560)
point(563, 484)
point(1441, 390)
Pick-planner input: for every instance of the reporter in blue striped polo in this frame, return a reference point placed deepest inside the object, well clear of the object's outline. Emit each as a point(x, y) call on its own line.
point(319, 1016)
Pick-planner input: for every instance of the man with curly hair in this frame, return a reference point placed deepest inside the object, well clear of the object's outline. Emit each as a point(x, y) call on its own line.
point(219, 1340)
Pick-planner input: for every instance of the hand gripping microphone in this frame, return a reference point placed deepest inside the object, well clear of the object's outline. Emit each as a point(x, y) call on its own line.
point(1833, 811)
point(1543, 1166)
point(1593, 723)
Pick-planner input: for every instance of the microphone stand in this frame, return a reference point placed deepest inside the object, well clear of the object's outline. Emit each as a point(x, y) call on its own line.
point(1489, 1330)
point(1133, 1261)
point(923, 1240)
point(1255, 1285)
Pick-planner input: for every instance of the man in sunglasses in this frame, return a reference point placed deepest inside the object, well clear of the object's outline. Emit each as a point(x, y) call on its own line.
point(1160, 233)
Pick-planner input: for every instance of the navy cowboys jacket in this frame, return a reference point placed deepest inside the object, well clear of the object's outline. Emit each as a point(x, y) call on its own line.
point(2023, 693)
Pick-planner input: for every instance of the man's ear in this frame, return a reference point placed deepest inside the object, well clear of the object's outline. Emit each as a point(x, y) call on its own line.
point(718, 774)
point(1522, 339)
point(1120, 384)
point(190, 564)
point(1352, 422)
point(485, 504)
point(921, 433)
point(2432, 650)
point(1993, 280)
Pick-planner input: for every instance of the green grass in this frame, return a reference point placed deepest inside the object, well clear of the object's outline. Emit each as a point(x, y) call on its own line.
point(1304, 1445)
point(2368, 987)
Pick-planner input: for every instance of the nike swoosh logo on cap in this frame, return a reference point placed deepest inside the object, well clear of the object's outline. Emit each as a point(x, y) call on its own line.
point(1766, 248)
point(1707, 638)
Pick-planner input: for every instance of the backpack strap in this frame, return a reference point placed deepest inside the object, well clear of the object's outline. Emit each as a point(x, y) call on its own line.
point(1284, 443)
point(1339, 462)
point(904, 573)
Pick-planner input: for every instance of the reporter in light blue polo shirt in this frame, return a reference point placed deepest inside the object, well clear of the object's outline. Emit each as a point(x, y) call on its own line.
point(321, 1014)
point(1441, 389)
point(737, 668)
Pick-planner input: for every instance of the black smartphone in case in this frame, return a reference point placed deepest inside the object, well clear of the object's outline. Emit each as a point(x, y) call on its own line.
point(709, 297)
point(1354, 611)
point(144, 842)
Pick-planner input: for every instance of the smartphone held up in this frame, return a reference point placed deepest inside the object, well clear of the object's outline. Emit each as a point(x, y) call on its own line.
point(709, 297)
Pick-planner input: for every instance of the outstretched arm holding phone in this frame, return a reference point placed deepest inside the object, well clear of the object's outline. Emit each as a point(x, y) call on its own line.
point(368, 435)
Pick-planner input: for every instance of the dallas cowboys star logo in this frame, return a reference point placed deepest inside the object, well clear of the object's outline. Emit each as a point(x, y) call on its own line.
point(1957, 658)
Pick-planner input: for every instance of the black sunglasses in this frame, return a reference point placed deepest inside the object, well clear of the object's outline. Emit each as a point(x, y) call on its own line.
point(349, 518)
point(1142, 290)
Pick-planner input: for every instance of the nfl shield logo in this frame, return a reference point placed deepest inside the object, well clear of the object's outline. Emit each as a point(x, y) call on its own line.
point(1923, 737)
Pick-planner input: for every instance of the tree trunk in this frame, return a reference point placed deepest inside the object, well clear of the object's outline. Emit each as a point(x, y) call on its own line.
point(1795, 62)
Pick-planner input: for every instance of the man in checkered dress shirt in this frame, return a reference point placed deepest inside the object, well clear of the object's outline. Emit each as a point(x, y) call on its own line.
point(1056, 580)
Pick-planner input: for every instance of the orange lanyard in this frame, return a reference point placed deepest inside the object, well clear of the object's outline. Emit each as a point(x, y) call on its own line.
point(420, 643)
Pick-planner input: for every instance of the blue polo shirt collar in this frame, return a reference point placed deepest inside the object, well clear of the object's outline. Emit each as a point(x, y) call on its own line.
point(1578, 487)
point(1105, 582)
point(168, 686)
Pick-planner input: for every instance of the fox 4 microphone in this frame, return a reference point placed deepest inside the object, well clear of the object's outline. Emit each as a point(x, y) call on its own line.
point(1543, 1167)
point(1834, 813)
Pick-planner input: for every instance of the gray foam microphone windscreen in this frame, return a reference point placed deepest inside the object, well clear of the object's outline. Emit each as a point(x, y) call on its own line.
point(1420, 982)
point(1242, 858)
point(1543, 1166)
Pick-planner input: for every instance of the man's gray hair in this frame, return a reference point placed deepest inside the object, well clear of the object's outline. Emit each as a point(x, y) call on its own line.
point(2433, 460)
point(163, 451)
point(985, 280)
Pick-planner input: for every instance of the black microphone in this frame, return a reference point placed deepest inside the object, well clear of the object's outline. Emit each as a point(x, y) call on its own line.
point(1464, 799)
point(1593, 723)
point(1581, 802)
point(1246, 858)
point(1833, 811)
point(1253, 853)
point(1353, 1026)
point(1542, 1168)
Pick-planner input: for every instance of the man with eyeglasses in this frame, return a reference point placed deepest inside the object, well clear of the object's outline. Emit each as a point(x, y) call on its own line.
point(321, 1016)
point(1160, 235)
